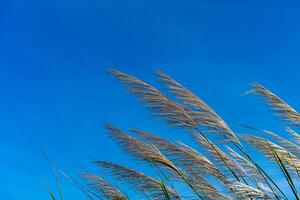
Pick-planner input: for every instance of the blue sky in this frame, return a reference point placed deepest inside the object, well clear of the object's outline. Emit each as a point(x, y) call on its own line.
point(56, 94)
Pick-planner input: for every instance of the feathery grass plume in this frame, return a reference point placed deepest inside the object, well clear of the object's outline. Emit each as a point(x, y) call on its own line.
point(248, 192)
point(252, 172)
point(201, 112)
point(295, 136)
point(163, 107)
point(139, 149)
point(291, 162)
point(281, 108)
point(208, 188)
point(184, 156)
point(137, 180)
point(172, 112)
point(176, 154)
point(146, 152)
point(211, 192)
point(105, 189)
point(213, 170)
point(231, 168)
point(288, 145)
point(191, 162)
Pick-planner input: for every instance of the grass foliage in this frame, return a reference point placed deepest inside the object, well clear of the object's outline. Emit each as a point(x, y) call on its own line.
point(221, 168)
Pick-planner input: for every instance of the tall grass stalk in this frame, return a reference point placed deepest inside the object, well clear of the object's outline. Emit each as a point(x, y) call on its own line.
point(225, 173)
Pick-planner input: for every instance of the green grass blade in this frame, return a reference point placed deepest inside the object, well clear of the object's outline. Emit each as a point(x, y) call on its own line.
point(52, 195)
point(165, 178)
point(164, 189)
point(54, 170)
point(162, 185)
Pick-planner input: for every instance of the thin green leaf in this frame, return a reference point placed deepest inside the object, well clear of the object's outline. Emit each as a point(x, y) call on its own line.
point(54, 170)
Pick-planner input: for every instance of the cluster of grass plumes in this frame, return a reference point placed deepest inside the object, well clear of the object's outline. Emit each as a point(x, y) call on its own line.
point(220, 168)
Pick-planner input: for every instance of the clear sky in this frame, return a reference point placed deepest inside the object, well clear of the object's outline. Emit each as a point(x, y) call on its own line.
point(56, 94)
